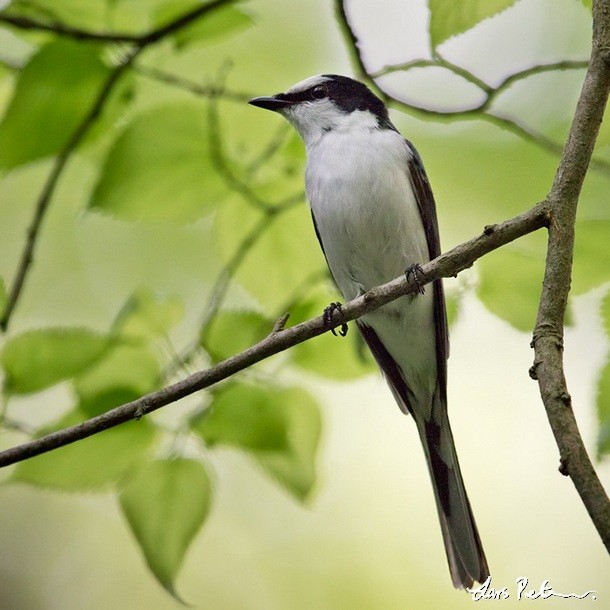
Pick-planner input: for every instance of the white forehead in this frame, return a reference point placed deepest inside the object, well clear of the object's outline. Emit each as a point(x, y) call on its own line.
point(308, 83)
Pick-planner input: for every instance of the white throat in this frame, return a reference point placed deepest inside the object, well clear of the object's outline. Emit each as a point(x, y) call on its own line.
point(316, 119)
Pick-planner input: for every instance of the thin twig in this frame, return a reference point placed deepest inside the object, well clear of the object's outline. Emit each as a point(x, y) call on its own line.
point(446, 265)
point(437, 62)
point(181, 82)
point(61, 29)
point(548, 332)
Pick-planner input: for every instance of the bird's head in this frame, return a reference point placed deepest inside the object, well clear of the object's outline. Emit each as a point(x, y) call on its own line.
point(326, 103)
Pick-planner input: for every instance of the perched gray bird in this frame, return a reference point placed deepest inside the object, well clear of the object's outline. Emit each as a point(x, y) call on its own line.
point(375, 217)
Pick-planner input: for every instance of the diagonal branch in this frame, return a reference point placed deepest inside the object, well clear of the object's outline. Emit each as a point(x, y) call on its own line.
point(448, 264)
point(548, 333)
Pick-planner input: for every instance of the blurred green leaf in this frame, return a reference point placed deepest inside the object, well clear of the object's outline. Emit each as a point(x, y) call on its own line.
point(279, 427)
point(105, 399)
point(603, 390)
point(127, 371)
point(449, 18)
point(452, 305)
point(53, 94)
point(221, 23)
point(327, 355)
point(72, 12)
point(165, 503)
point(232, 332)
point(591, 255)
point(159, 168)
point(90, 464)
point(603, 412)
point(148, 314)
point(295, 469)
point(38, 359)
point(286, 251)
point(510, 283)
point(247, 417)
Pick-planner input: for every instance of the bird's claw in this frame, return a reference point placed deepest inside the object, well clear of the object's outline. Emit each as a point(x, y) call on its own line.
point(328, 319)
point(414, 275)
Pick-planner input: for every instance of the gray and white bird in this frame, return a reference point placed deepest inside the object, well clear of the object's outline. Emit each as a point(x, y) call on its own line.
point(375, 216)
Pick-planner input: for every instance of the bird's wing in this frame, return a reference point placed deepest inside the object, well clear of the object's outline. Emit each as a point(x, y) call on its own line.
point(427, 211)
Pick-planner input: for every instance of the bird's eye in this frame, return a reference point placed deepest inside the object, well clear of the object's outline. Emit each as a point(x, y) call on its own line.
point(319, 92)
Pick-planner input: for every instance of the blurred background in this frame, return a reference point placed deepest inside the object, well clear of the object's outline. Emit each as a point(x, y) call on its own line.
point(364, 534)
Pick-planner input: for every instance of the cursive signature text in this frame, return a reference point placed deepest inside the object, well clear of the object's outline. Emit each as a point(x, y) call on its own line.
point(523, 591)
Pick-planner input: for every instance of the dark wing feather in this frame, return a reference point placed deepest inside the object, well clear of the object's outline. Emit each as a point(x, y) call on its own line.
point(427, 211)
point(392, 372)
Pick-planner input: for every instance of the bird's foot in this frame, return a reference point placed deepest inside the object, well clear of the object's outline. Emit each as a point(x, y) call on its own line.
point(328, 319)
point(414, 275)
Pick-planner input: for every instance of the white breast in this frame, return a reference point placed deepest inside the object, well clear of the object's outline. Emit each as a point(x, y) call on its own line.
point(366, 213)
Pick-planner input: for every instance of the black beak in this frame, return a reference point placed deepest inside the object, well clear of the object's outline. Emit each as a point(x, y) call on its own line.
point(270, 103)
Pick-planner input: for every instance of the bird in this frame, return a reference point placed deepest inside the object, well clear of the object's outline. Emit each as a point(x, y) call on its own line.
point(375, 217)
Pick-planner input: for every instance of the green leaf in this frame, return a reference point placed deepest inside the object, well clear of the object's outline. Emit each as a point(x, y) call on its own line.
point(285, 251)
point(126, 371)
point(53, 94)
point(449, 18)
point(453, 302)
point(76, 13)
point(510, 282)
point(280, 428)
point(147, 314)
point(232, 332)
point(295, 468)
point(603, 390)
point(220, 23)
point(327, 355)
point(105, 399)
point(603, 412)
point(247, 417)
point(38, 359)
point(160, 168)
point(91, 464)
point(165, 503)
point(591, 255)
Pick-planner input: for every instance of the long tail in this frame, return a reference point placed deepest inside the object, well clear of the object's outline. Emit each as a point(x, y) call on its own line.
point(467, 562)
